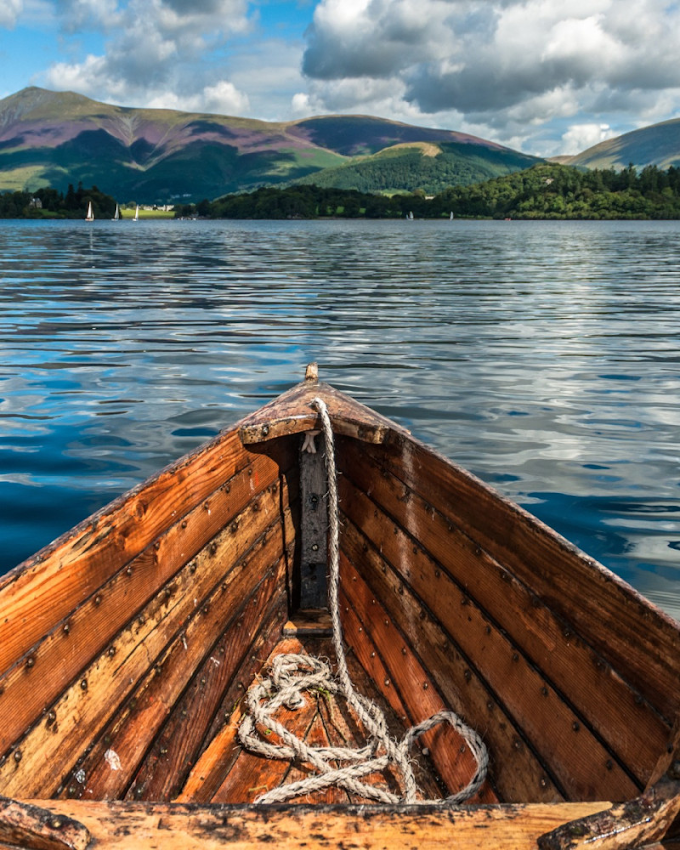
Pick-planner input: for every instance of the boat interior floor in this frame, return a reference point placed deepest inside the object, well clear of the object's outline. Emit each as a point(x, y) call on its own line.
point(234, 775)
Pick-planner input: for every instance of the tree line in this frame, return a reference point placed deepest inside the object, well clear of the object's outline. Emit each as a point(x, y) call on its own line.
point(546, 191)
point(51, 203)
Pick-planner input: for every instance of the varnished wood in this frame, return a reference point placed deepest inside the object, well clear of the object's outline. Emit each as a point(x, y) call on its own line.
point(45, 589)
point(90, 701)
point(582, 766)
point(90, 627)
point(601, 608)
point(516, 771)
point(616, 712)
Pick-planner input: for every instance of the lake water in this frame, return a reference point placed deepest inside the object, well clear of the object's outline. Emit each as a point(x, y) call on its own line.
point(543, 356)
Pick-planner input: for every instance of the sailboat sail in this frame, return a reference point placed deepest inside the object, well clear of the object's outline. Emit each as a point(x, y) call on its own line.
point(90, 213)
point(136, 218)
point(116, 215)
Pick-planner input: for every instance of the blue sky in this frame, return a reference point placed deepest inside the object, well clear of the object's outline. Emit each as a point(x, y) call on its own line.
point(542, 76)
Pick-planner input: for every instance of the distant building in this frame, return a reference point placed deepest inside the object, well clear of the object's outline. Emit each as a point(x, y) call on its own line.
point(36, 203)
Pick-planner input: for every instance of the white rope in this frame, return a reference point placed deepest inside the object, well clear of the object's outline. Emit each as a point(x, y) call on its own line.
point(291, 675)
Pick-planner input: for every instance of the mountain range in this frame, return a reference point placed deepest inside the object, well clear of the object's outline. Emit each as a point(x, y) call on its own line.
point(165, 156)
point(159, 156)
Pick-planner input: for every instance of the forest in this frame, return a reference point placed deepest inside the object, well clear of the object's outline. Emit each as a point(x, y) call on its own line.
point(545, 191)
point(50, 203)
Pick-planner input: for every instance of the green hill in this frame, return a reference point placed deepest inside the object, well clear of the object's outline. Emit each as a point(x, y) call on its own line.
point(657, 145)
point(53, 139)
point(427, 166)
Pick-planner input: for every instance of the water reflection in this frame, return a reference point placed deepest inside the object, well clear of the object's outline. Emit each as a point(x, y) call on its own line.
point(542, 356)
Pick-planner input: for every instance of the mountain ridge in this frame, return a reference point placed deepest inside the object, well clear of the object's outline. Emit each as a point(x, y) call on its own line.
point(159, 155)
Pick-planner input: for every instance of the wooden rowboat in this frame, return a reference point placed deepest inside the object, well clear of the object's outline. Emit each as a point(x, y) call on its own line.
point(127, 646)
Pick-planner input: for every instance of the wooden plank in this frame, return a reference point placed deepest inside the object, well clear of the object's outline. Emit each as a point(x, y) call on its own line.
point(117, 826)
point(44, 590)
point(48, 750)
point(317, 736)
point(252, 775)
point(517, 773)
point(632, 824)
point(292, 413)
point(312, 584)
point(617, 712)
point(602, 608)
point(167, 765)
point(566, 744)
point(31, 826)
point(133, 728)
point(52, 664)
point(218, 749)
point(359, 640)
point(417, 692)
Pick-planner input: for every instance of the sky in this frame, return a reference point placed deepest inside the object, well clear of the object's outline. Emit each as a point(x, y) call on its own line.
point(545, 77)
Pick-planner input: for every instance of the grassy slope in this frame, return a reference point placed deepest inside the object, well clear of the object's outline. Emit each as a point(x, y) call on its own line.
point(656, 145)
point(407, 167)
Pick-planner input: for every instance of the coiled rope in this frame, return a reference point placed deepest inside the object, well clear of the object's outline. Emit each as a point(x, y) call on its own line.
point(290, 675)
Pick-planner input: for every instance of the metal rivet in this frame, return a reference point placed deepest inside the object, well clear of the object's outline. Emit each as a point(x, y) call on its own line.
point(17, 755)
point(387, 682)
point(437, 573)
point(213, 548)
point(425, 686)
point(265, 430)
point(315, 548)
point(157, 545)
point(403, 650)
point(67, 628)
point(97, 600)
point(129, 571)
point(575, 725)
point(30, 661)
point(163, 750)
point(387, 622)
point(56, 823)
point(112, 650)
point(83, 684)
point(467, 675)
point(543, 782)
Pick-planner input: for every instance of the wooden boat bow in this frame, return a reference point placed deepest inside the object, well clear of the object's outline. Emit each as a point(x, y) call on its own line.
point(127, 645)
point(292, 413)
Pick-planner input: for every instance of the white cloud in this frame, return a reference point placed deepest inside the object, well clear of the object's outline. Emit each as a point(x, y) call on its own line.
point(154, 54)
point(580, 137)
point(9, 12)
point(498, 63)
point(222, 98)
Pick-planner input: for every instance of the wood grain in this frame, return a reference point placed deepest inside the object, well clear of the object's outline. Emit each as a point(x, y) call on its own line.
point(616, 712)
point(604, 610)
point(517, 773)
point(118, 826)
point(48, 750)
point(55, 661)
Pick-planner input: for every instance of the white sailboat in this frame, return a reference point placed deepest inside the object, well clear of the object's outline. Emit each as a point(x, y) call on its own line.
point(90, 213)
point(116, 215)
point(136, 218)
